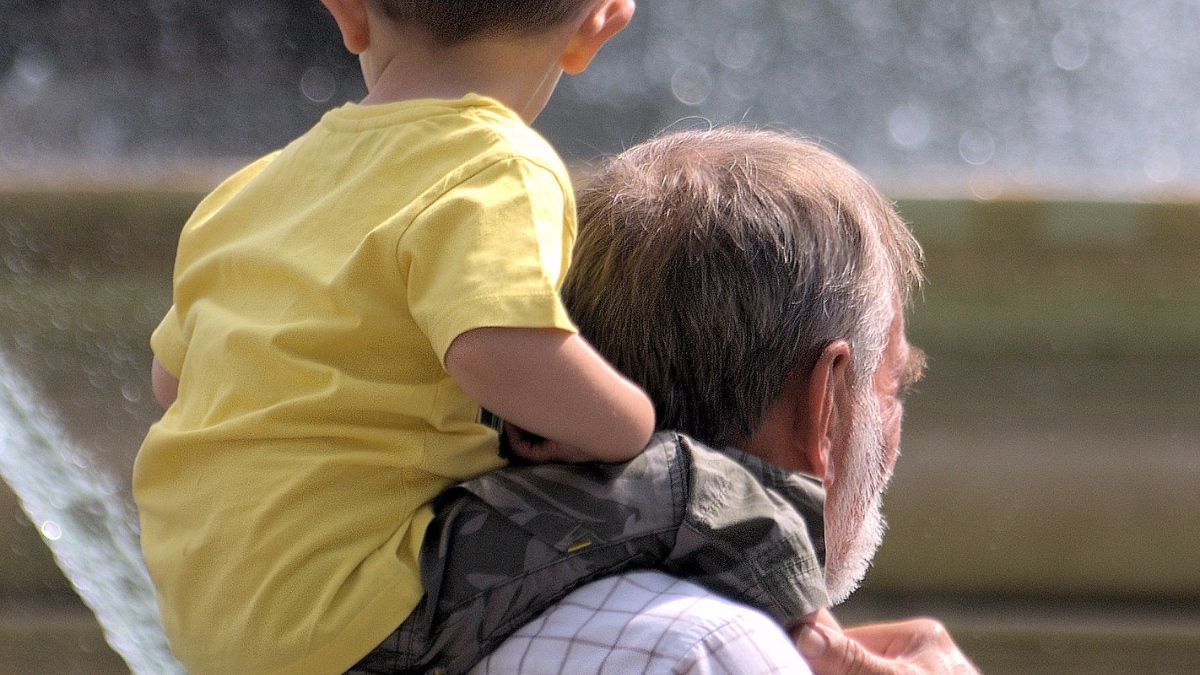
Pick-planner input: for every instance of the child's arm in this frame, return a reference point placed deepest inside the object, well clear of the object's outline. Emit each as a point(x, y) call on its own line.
point(164, 384)
point(554, 384)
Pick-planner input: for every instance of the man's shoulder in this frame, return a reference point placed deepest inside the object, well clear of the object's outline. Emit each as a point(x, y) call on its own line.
point(647, 622)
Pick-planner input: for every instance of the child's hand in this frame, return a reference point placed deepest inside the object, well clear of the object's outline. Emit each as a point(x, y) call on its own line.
point(529, 447)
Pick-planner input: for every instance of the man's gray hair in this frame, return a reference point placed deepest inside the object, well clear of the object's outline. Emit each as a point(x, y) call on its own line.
point(711, 264)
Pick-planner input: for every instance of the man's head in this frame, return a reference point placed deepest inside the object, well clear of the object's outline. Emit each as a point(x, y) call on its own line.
point(753, 284)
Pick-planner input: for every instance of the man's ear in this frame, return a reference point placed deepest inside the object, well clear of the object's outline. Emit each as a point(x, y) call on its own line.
point(604, 20)
point(798, 431)
point(827, 387)
point(351, 18)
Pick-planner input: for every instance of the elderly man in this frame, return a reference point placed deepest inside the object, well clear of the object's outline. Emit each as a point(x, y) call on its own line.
point(754, 285)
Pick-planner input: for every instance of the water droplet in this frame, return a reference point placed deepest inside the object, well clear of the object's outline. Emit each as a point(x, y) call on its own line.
point(1070, 49)
point(1162, 163)
point(51, 530)
point(738, 49)
point(30, 75)
point(909, 125)
point(318, 84)
point(691, 84)
point(976, 146)
point(34, 69)
point(1011, 12)
point(986, 184)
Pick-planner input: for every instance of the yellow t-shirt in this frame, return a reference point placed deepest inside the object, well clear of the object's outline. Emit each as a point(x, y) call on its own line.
point(284, 496)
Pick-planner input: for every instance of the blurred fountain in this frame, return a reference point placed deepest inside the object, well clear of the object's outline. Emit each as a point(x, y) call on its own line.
point(1091, 95)
point(87, 525)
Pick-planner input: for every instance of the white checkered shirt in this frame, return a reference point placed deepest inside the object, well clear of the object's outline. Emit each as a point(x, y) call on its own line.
point(649, 623)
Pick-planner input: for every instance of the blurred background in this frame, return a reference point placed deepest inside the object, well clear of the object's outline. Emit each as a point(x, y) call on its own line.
point(1046, 153)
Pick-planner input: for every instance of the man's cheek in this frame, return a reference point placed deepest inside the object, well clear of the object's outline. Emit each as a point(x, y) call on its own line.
point(892, 436)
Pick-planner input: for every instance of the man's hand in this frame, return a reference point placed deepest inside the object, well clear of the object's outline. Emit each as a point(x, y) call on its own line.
point(914, 647)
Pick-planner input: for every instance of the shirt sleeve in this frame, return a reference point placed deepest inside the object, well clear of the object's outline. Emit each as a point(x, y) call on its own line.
point(647, 623)
point(747, 643)
point(491, 251)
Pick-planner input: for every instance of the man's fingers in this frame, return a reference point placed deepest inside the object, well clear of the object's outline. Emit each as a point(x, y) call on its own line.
point(895, 640)
point(914, 647)
point(830, 652)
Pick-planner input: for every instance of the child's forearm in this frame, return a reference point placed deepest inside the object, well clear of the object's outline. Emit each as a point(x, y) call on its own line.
point(554, 384)
point(163, 383)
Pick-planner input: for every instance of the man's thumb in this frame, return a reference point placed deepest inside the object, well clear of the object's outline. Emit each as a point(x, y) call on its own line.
point(830, 652)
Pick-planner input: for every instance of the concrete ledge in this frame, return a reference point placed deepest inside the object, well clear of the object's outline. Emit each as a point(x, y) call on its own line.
point(39, 636)
point(1062, 278)
point(1063, 638)
point(1044, 477)
point(1005, 275)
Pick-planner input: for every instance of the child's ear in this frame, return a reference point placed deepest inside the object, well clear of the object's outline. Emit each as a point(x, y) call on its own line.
point(604, 20)
point(351, 18)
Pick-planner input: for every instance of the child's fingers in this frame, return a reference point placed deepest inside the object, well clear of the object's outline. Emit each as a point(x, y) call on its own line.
point(525, 446)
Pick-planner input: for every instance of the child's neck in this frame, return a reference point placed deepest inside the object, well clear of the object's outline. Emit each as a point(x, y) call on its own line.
point(520, 73)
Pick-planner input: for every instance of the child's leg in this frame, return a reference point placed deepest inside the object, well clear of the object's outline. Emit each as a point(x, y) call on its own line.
point(506, 546)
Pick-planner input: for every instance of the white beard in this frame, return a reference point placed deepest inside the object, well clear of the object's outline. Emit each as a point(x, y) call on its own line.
point(854, 522)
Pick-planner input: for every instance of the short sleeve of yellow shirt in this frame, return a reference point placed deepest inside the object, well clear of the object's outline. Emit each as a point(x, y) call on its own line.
point(469, 267)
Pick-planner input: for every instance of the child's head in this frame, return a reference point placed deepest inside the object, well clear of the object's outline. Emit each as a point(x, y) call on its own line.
point(453, 21)
point(511, 50)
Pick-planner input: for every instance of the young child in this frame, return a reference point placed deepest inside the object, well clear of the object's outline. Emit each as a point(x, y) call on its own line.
point(342, 309)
